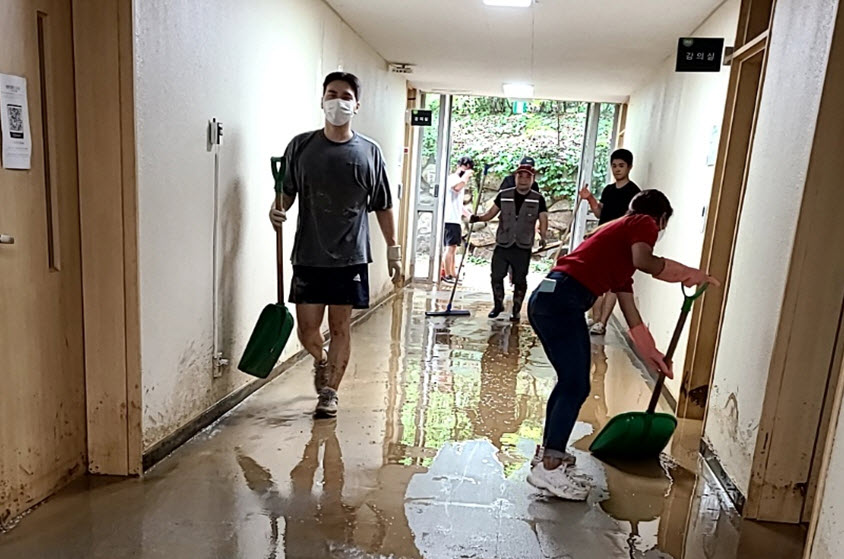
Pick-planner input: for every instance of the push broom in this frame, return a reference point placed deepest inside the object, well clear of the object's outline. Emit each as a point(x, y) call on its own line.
point(640, 435)
point(448, 310)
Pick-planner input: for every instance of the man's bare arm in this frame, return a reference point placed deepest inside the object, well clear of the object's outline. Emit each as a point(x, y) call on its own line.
point(387, 225)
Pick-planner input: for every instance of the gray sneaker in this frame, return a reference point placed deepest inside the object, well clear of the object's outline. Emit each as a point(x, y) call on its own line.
point(320, 374)
point(328, 402)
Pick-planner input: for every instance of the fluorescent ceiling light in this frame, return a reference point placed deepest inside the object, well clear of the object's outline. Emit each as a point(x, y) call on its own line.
point(518, 90)
point(509, 3)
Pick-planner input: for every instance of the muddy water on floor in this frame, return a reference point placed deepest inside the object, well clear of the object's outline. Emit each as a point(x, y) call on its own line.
point(427, 458)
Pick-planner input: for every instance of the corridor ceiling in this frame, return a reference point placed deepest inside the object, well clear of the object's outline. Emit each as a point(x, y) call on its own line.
point(585, 50)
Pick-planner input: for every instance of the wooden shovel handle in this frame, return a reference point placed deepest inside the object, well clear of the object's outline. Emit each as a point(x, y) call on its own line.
point(279, 253)
point(278, 169)
point(688, 301)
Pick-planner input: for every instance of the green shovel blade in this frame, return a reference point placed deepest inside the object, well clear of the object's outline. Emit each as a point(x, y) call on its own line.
point(634, 436)
point(267, 341)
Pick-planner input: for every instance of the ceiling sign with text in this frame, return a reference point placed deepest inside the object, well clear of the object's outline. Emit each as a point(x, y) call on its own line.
point(421, 117)
point(695, 54)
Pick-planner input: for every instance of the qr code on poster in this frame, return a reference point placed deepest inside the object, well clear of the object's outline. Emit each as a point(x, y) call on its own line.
point(15, 121)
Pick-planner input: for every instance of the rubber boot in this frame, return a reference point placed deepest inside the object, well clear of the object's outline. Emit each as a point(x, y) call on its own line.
point(518, 298)
point(497, 299)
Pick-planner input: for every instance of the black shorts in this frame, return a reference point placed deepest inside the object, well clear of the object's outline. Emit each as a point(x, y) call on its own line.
point(453, 234)
point(331, 286)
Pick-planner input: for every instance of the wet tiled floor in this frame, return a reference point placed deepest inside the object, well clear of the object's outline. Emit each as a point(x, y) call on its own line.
point(427, 458)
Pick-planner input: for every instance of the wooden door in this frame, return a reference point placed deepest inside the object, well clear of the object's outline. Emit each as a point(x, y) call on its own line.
point(747, 77)
point(42, 384)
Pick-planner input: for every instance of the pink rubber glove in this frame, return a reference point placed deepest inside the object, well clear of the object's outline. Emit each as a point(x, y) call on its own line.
point(647, 350)
point(674, 272)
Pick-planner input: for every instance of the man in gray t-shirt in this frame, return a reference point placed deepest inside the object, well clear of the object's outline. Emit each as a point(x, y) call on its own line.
point(339, 177)
point(337, 185)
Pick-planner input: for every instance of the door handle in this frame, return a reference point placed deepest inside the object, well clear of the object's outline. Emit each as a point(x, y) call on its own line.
point(7, 240)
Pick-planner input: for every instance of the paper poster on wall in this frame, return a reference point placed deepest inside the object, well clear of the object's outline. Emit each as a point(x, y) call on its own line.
point(14, 121)
point(714, 138)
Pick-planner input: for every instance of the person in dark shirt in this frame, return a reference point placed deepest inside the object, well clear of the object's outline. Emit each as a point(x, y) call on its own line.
point(614, 203)
point(510, 180)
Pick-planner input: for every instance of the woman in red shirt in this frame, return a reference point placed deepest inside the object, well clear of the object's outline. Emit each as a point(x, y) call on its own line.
point(604, 262)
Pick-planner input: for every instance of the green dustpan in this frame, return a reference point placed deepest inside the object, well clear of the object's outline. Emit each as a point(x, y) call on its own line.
point(642, 435)
point(275, 323)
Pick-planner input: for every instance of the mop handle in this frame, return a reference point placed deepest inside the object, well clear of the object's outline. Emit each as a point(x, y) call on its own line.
point(574, 219)
point(468, 237)
point(688, 301)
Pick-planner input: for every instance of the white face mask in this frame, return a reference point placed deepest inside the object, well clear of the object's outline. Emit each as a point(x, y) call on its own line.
point(660, 235)
point(338, 111)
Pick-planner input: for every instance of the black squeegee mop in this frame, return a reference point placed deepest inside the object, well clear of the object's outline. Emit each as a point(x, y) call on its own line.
point(448, 310)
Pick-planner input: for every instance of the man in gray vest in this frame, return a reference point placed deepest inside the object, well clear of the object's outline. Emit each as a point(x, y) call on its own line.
point(520, 208)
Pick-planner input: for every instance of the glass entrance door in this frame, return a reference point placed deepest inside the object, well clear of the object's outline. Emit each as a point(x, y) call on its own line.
point(432, 169)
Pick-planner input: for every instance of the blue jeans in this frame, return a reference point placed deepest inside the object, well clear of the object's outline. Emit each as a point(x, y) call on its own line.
point(560, 323)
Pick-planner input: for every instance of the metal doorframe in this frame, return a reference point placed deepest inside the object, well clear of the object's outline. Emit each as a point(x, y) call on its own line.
point(437, 206)
point(444, 145)
point(587, 167)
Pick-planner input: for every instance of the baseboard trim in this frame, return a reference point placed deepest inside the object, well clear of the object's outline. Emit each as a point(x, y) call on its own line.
point(730, 488)
point(166, 446)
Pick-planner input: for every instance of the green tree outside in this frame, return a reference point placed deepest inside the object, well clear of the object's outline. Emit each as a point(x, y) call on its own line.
point(551, 132)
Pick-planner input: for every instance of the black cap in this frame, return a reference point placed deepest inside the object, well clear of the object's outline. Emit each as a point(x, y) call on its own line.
point(527, 161)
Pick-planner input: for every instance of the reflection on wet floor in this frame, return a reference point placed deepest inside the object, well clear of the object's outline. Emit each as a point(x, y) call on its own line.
point(427, 458)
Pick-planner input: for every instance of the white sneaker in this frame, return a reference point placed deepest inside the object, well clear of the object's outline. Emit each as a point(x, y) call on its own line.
point(558, 482)
point(579, 478)
point(568, 460)
point(598, 329)
point(328, 403)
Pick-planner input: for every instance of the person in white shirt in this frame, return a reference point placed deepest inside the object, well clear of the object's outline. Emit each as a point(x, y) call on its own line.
point(454, 210)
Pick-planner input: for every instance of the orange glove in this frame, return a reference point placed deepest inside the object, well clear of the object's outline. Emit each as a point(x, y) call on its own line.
point(674, 272)
point(647, 350)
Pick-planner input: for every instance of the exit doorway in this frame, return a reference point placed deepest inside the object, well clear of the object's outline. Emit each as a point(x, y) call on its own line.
point(570, 141)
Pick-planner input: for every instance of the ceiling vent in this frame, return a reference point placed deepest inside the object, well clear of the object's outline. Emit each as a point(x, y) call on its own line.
point(401, 68)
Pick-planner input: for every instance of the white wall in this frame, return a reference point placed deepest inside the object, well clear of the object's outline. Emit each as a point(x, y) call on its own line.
point(669, 129)
point(258, 69)
point(799, 50)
